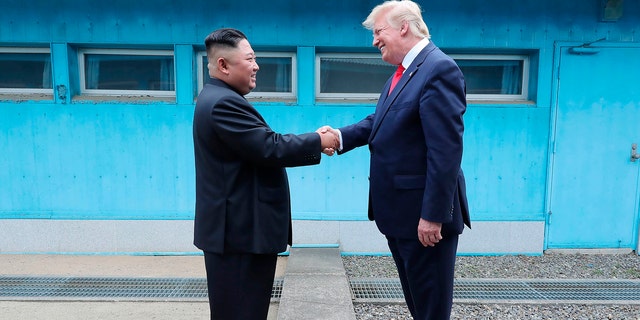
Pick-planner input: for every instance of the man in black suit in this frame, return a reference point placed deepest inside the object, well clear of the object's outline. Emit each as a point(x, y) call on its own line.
point(417, 189)
point(243, 213)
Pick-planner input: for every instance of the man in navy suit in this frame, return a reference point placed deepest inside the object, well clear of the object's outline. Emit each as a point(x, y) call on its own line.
point(243, 212)
point(417, 191)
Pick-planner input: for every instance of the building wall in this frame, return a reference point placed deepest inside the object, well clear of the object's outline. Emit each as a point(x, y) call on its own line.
point(117, 164)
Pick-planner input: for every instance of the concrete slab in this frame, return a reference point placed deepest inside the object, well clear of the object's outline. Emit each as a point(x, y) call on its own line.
point(110, 266)
point(315, 261)
point(315, 286)
point(322, 289)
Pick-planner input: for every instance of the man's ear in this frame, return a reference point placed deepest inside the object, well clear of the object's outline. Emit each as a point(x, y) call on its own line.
point(222, 65)
point(404, 29)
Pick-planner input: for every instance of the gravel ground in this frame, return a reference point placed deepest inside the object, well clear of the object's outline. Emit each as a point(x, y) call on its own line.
point(548, 266)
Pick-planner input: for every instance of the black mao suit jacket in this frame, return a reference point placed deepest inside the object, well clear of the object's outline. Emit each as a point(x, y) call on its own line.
point(242, 190)
point(415, 140)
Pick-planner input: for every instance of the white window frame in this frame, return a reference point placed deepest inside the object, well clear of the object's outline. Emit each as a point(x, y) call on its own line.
point(28, 90)
point(260, 95)
point(200, 64)
point(524, 95)
point(119, 92)
point(344, 96)
point(294, 78)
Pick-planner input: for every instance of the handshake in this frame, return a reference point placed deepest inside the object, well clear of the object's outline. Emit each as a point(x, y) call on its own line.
point(329, 139)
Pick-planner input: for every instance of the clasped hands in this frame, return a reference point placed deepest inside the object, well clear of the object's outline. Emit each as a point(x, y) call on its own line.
point(329, 139)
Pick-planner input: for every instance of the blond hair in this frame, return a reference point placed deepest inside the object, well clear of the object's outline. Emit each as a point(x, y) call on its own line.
point(398, 12)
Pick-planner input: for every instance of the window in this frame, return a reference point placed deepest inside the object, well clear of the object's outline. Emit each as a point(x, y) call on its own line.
point(495, 77)
point(25, 70)
point(276, 78)
point(127, 72)
point(351, 76)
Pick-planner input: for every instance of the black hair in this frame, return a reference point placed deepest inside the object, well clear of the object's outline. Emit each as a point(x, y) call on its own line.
point(226, 37)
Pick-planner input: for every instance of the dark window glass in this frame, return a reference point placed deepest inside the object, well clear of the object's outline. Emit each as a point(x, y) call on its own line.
point(23, 70)
point(129, 72)
point(492, 76)
point(275, 74)
point(353, 75)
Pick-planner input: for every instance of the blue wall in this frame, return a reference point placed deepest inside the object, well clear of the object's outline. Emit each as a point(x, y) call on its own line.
point(65, 158)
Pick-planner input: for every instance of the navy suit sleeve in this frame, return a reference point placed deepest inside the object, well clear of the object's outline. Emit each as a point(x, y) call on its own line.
point(442, 106)
point(357, 134)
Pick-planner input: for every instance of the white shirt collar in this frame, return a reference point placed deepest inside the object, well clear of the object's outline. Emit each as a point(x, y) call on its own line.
point(413, 53)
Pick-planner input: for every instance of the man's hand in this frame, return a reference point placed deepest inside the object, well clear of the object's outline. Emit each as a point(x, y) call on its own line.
point(330, 140)
point(429, 232)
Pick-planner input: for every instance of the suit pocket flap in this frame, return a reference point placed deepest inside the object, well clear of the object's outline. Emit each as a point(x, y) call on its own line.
point(409, 182)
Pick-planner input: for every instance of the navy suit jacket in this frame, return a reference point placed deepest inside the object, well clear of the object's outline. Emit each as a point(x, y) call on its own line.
point(242, 190)
point(415, 140)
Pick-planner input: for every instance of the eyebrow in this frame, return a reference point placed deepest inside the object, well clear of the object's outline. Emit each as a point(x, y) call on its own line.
point(376, 31)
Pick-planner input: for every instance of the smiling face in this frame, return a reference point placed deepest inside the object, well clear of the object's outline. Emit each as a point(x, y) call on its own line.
point(388, 40)
point(240, 67)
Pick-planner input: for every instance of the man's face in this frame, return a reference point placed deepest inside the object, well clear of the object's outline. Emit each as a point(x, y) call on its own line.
point(243, 68)
point(387, 40)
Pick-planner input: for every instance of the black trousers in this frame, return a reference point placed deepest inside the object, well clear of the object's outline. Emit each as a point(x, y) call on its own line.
point(426, 275)
point(239, 285)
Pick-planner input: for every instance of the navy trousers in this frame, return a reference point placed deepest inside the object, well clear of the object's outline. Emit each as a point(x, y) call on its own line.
point(426, 275)
point(239, 285)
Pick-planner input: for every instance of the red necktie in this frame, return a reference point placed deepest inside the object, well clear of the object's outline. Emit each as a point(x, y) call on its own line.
point(396, 77)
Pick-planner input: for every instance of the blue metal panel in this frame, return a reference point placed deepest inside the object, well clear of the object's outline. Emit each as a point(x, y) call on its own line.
point(337, 189)
point(186, 78)
point(505, 162)
point(61, 77)
point(96, 161)
point(275, 22)
point(594, 195)
point(135, 161)
point(332, 23)
point(306, 73)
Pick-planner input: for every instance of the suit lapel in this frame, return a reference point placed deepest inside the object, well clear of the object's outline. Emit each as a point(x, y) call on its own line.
point(386, 100)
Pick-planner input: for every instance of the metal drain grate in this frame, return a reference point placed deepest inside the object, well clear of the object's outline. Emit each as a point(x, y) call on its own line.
point(48, 288)
point(379, 290)
point(389, 290)
point(363, 289)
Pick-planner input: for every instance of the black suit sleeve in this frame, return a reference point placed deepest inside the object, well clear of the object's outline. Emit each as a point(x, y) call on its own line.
point(244, 130)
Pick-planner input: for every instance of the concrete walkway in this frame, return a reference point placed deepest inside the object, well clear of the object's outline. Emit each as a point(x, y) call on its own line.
point(315, 286)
